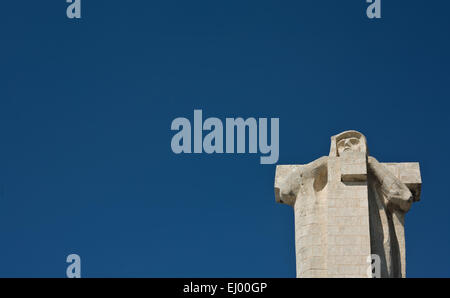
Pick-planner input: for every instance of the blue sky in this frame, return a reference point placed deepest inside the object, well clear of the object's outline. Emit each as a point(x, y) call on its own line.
point(86, 106)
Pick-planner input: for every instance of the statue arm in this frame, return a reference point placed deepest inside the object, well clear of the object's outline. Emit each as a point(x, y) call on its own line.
point(394, 191)
point(288, 188)
point(316, 165)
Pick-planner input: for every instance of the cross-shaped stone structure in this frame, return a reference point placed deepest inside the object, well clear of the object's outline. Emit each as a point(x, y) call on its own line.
point(349, 210)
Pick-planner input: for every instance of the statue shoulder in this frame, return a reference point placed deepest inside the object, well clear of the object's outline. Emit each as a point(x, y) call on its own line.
point(320, 162)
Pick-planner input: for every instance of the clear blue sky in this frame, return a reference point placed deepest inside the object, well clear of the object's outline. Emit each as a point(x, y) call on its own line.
point(86, 106)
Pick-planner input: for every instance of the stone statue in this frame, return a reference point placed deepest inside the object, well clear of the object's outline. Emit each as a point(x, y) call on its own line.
point(349, 210)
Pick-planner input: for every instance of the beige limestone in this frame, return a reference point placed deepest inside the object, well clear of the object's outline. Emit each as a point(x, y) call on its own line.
point(348, 207)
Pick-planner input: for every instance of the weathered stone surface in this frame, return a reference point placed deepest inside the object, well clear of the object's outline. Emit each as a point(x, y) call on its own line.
point(347, 207)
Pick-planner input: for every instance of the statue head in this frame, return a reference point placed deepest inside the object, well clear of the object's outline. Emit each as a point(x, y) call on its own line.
point(348, 141)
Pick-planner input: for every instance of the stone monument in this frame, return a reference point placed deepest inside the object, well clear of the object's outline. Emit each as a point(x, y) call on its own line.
point(349, 210)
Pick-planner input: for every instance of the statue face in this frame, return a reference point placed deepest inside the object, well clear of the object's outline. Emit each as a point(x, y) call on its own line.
point(349, 144)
